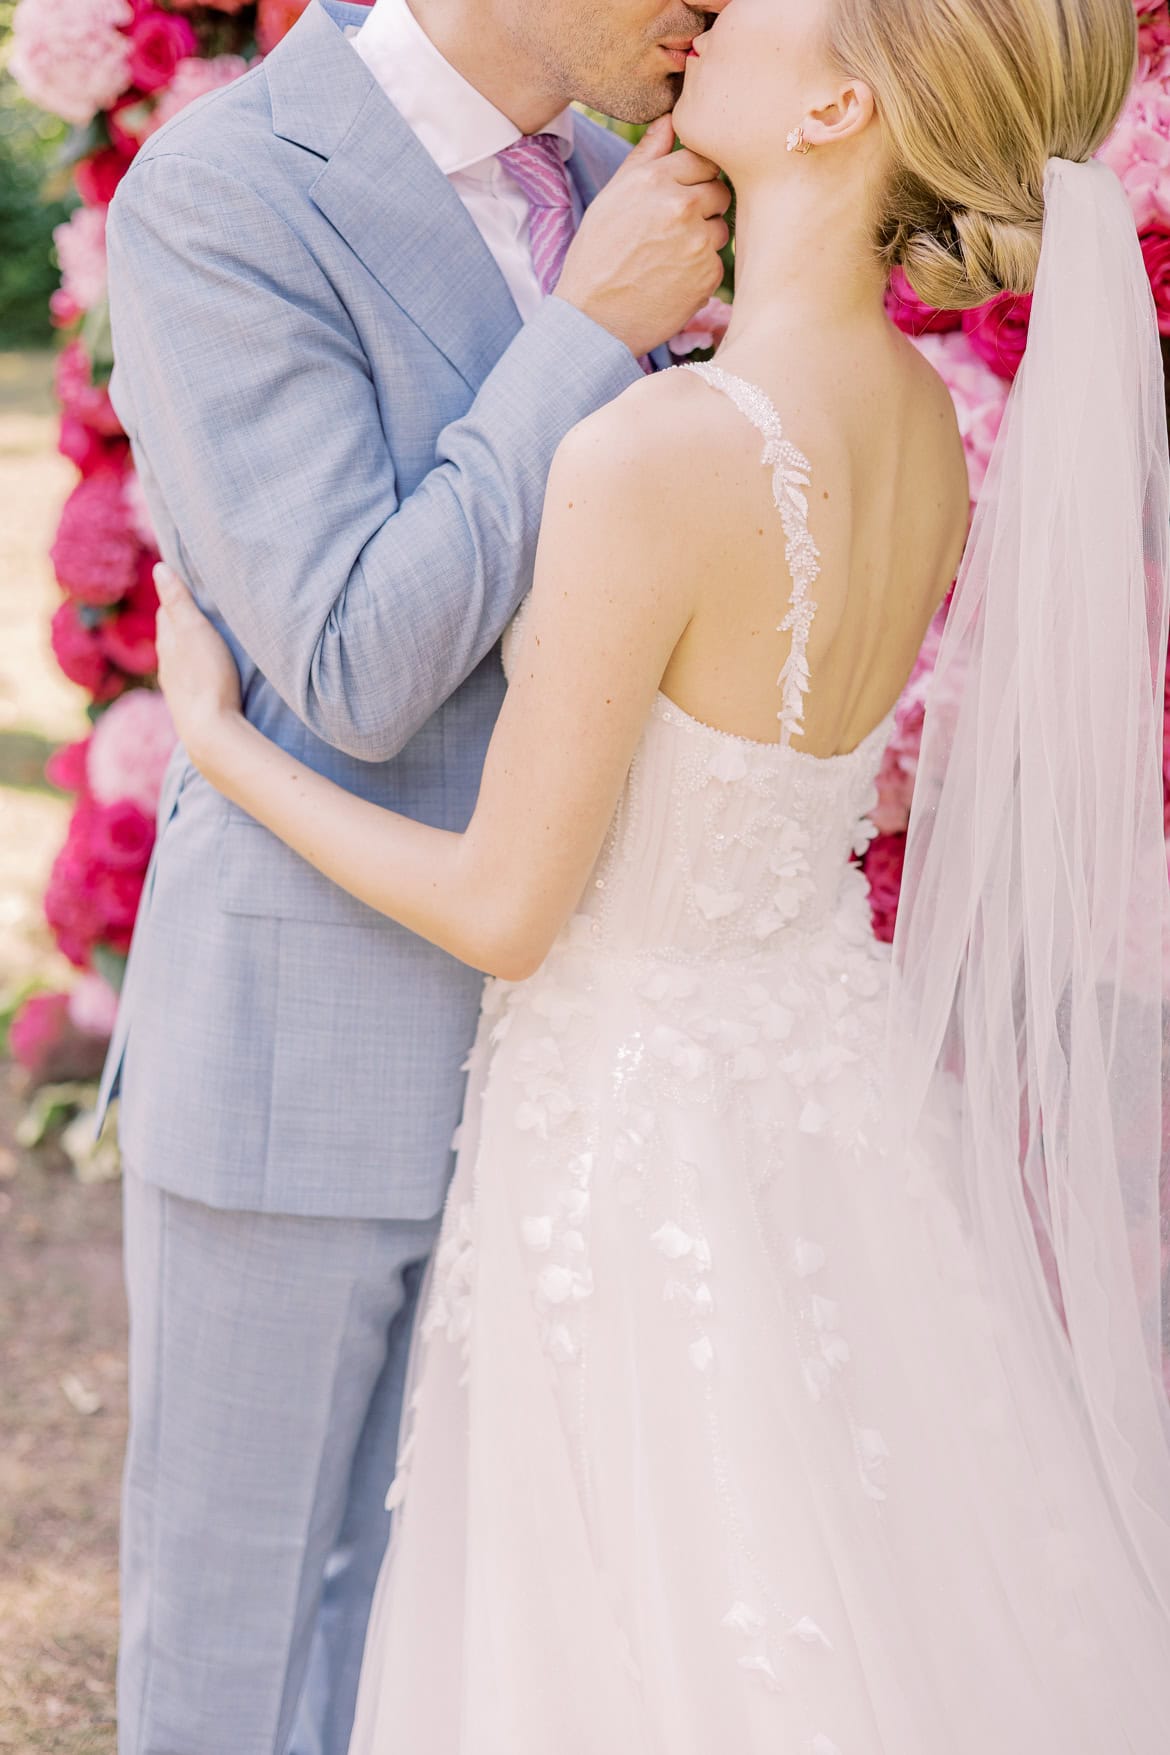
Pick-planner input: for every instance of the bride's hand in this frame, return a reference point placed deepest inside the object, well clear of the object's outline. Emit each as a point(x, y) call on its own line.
point(196, 670)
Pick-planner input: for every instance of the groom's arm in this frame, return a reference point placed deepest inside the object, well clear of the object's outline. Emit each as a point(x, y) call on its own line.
point(251, 397)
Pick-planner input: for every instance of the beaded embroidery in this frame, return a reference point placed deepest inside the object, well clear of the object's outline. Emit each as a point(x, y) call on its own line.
point(791, 474)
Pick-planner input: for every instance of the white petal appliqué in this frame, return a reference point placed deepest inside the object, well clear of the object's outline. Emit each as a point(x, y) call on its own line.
point(743, 1619)
point(673, 1241)
point(808, 1257)
point(537, 1234)
point(702, 1353)
point(810, 1633)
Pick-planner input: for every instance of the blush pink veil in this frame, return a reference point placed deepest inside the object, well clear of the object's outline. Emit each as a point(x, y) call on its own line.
point(1030, 959)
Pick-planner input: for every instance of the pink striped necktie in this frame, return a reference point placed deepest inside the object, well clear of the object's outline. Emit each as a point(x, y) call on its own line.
point(535, 163)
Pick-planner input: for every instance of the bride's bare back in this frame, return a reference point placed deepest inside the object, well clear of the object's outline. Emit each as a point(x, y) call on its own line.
point(888, 506)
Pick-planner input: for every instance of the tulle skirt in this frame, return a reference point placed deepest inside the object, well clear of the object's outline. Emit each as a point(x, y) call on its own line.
point(715, 1443)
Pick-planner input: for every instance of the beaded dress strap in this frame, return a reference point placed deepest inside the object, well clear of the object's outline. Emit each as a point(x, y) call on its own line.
point(791, 474)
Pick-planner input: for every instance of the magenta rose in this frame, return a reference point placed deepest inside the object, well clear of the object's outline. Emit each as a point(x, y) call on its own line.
point(1156, 251)
point(48, 1042)
point(70, 900)
point(81, 655)
point(67, 767)
point(128, 637)
point(98, 176)
point(92, 454)
point(117, 895)
point(158, 42)
point(95, 555)
point(998, 332)
point(907, 311)
point(121, 836)
point(883, 869)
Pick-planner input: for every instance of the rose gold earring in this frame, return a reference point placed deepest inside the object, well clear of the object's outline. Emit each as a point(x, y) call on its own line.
point(797, 141)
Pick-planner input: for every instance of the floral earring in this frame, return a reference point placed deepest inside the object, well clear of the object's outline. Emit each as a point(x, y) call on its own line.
point(797, 141)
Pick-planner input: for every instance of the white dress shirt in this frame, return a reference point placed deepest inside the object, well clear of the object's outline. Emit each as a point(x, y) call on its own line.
point(463, 132)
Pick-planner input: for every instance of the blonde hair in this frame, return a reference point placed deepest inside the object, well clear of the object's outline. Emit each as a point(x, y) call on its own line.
point(974, 97)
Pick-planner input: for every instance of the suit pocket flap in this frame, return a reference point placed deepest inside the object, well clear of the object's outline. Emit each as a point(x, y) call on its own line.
point(259, 875)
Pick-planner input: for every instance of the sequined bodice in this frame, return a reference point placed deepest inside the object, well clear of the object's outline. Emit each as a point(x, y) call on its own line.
point(723, 848)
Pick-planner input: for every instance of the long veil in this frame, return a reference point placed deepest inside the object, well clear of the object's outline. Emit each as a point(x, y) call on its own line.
point(1030, 984)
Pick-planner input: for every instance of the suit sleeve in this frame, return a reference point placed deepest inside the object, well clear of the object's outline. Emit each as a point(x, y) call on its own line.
point(250, 395)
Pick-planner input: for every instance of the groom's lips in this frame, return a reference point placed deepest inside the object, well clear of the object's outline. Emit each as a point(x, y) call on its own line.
point(679, 52)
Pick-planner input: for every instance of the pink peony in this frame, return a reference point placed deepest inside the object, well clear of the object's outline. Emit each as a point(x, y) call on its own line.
point(37, 1027)
point(1156, 252)
point(93, 1007)
point(1139, 147)
point(895, 789)
point(1153, 48)
point(63, 311)
point(158, 43)
point(96, 552)
point(80, 397)
point(706, 329)
point(81, 251)
point(129, 751)
point(72, 59)
point(883, 868)
point(274, 20)
point(998, 332)
point(979, 394)
point(81, 654)
point(137, 510)
point(193, 79)
point(906, 309)
point(66, 767)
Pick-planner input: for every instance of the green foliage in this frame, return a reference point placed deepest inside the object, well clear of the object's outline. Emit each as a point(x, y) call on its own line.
point(30, 206)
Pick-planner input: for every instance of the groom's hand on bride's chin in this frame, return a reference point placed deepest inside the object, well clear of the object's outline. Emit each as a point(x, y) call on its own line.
point(647, 253)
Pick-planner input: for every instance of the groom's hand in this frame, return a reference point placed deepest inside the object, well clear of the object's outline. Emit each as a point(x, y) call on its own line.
point(647, 252)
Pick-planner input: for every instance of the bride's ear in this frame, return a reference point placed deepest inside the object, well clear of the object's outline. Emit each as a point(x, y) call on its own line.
point(850, 111)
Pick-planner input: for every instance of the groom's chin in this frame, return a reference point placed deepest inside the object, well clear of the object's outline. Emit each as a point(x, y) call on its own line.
point(645, 106)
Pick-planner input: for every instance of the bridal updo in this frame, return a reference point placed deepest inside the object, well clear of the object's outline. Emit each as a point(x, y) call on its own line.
point(975, 97)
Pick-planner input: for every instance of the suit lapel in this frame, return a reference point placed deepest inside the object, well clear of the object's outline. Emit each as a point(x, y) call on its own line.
point(387, 198)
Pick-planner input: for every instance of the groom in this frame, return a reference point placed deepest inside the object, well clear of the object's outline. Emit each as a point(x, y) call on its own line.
point(358, 298)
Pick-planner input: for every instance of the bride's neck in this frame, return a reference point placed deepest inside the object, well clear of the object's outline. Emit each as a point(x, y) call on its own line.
point(804, 266)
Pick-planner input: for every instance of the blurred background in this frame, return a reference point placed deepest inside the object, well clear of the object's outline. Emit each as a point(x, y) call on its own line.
point(62, 1376)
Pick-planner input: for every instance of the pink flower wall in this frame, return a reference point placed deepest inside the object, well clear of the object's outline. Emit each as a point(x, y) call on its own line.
point(117, 70)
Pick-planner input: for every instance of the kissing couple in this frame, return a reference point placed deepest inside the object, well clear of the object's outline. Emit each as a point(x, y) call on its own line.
point(777, 1354)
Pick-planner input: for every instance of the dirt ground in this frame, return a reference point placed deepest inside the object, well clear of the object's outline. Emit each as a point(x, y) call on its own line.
point(62, 1318)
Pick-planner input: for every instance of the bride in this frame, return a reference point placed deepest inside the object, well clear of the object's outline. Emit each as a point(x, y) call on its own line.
point(788, 1374)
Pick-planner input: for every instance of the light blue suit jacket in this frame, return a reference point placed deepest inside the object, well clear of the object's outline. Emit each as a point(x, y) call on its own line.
point(344, 432)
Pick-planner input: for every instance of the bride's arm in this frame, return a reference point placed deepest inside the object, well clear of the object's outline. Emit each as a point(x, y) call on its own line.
point(613, 594)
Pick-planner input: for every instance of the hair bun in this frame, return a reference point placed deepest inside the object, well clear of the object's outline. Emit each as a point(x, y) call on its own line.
point(971, 258)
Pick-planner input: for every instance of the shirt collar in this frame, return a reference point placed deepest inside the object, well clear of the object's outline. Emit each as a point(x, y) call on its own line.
point(455, 122)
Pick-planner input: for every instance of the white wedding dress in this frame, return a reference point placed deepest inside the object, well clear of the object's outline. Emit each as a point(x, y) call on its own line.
point(709, 1449)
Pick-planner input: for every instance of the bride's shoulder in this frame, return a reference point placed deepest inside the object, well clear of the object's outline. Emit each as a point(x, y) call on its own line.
point(656, 435)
